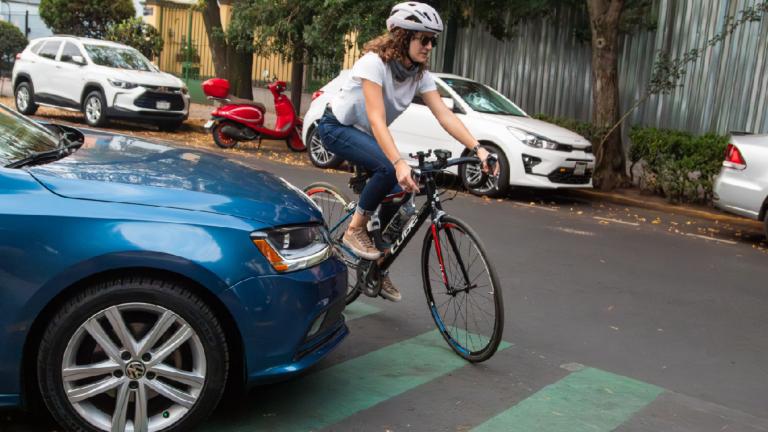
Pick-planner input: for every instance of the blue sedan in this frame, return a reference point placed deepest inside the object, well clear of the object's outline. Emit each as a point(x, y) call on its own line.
point(139, 279)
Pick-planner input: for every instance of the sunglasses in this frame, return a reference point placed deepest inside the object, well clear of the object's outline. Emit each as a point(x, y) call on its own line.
point(427, 39)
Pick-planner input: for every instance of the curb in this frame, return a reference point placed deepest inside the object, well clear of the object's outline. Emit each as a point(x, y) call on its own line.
point(668, 208)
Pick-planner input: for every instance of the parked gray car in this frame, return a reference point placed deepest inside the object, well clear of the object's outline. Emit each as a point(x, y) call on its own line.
point(742, 185)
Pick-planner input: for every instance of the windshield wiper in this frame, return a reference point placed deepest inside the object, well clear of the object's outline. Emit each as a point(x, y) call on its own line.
point(65, 148)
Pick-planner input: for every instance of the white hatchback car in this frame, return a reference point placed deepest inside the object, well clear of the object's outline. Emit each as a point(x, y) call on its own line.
point(102, 79)
point(532, 152)
point(742, 185)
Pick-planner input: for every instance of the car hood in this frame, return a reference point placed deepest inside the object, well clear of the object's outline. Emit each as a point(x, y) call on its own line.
point(159, 79)
point(541, 128)
point(127, 170)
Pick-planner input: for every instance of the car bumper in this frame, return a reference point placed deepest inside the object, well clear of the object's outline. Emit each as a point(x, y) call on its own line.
point(552, 169)
point(736, 193)
point(146, 105)
point(289, 322)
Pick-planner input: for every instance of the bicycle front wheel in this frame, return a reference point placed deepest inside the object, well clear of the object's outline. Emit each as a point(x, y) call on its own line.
point(462, 289)
point(336, 213)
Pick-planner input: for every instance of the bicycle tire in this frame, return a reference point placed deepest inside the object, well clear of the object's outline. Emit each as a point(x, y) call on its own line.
point(326, 195)
point(441, 302)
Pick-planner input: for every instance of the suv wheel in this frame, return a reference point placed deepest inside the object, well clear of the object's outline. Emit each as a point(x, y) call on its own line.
point(134, 353)
point(95, 108)
point(25, 97)
point(318, 154)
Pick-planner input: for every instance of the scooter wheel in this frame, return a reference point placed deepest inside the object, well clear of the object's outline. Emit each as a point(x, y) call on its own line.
point(220, 138)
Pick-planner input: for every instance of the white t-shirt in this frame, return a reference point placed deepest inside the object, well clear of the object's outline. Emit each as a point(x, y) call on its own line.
point(349, 104)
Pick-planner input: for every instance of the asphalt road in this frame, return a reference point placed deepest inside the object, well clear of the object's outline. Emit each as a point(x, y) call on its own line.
point(616, 319)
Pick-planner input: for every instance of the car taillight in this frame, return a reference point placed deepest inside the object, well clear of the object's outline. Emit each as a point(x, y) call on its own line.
point(317, 94)
point(733, 158)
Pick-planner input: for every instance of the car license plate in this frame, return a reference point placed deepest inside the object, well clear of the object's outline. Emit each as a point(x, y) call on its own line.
point(163, 105)
point(208, 124)
point(581, 169)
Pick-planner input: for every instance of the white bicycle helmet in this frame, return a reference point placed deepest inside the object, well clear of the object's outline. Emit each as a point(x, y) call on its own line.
point(415, 16)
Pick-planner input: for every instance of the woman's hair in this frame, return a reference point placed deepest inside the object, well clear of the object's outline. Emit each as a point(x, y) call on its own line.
point(393, 45)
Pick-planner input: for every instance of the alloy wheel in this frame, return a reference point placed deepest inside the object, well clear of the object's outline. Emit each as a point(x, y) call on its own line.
point(133, 367)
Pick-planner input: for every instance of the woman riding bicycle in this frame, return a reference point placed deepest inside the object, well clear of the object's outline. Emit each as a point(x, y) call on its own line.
point(381, 86)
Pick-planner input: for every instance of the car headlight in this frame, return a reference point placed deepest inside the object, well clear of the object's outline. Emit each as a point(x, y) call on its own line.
point(536, 141)
point(184, 90)
point(122, 84)
point(293, 248)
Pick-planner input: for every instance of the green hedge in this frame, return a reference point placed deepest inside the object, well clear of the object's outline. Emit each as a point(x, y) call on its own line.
point(676, 164)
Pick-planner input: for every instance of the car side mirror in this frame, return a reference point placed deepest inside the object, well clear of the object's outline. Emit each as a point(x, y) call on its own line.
point(78, 60)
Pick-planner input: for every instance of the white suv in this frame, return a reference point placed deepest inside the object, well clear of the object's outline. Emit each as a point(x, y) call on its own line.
point(99, 78)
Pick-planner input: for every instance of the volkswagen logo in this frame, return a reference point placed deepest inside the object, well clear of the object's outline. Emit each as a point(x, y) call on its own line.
point(135, 370)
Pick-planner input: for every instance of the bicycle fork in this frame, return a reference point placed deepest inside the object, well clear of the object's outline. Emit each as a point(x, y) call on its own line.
point(438, 250)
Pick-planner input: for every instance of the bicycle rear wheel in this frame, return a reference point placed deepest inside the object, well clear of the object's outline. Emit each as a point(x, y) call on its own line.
point(333, 204)
point(462, 289)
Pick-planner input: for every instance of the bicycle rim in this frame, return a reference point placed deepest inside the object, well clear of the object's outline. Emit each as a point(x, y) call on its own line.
point(333, 204)
point(466, 304)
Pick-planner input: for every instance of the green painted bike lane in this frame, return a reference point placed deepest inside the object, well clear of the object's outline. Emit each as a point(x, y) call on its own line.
point(585, 400)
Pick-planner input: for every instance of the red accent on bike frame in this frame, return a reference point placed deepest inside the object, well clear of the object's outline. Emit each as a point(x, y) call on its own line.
point(312, 191)
point(392, 197)
point(439, 254)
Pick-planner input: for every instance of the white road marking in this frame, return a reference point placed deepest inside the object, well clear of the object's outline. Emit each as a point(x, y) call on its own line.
point(711, 238)
point(615, 220)
point(573, 231)
point(535, 207)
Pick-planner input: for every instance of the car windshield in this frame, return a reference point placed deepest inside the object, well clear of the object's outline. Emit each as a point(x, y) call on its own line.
point(119, 58)
point(482, 98)
point(20, 137)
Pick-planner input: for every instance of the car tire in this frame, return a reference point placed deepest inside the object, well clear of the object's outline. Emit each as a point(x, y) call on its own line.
point(480, 184)
point(95, 109)
point(178, 361)
point(170, 126)
point(318, 154)
point(24, 96)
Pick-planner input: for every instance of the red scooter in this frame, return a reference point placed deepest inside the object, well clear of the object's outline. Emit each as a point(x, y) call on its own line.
point(243, 120)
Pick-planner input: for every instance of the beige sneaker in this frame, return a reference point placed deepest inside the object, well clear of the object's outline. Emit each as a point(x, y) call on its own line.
point(388, 290)
point(358, 240)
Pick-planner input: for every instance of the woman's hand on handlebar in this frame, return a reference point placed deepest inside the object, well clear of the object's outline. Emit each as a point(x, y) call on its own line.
point(483, 154)
point(404, 178)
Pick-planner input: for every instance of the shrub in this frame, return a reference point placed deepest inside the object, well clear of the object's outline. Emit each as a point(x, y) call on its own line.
point(12, 42)
point(677, 164)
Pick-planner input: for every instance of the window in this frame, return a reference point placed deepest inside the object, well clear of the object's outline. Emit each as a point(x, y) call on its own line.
point(119, 58)
point(69, 51)
point(50, 49)
point(482, 98)
point(36, 46)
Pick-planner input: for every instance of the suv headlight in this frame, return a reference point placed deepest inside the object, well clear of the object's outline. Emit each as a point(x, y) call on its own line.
point(122, 84)
point(293, 248)
point(536, 141)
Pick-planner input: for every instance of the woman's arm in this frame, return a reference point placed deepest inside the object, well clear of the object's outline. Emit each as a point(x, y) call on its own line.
point(377, 117)
point(453, 125)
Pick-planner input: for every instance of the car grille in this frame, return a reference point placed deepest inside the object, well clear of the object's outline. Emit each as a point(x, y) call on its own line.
point(150, 100)
point(566, 176)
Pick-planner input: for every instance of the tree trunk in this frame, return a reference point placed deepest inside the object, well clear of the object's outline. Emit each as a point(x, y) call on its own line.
point(216, 40)
point(604, 15)
point(297, 78)
point(240, 66)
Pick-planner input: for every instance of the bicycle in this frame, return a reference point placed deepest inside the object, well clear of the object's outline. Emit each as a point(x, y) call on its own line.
point(457, 275)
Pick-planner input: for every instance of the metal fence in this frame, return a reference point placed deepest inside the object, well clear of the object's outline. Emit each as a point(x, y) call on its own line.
point(545, 69)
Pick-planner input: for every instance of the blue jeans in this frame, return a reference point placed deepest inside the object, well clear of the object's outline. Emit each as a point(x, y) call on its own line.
point(358, 147)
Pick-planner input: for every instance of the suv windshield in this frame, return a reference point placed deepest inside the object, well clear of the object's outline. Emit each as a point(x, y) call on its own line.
point(482, 98)
point(119, 58)
point(20, 137)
